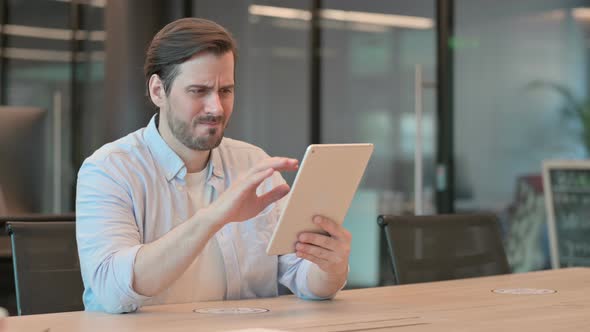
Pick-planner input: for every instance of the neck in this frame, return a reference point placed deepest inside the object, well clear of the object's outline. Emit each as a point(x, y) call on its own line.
point(194, 160)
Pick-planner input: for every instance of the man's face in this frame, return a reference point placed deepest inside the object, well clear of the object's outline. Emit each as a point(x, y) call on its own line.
point(200, 101)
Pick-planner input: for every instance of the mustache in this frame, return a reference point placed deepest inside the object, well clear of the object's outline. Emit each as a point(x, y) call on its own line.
point(210, 119)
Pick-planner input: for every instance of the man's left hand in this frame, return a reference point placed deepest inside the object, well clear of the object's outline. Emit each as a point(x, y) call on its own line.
point(329, 252)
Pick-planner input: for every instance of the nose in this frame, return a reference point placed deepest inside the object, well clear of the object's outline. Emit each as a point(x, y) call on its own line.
point(214, 104)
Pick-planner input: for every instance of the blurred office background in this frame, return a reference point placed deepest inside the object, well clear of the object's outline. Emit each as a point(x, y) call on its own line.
point(311, 71)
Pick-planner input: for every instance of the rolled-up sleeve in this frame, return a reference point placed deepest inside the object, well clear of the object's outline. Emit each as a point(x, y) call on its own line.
point(108, 240)
point(293, 272)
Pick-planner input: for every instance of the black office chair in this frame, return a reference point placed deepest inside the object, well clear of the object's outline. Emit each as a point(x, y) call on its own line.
point(46, 266)
point(7, 287)
point(444, 247)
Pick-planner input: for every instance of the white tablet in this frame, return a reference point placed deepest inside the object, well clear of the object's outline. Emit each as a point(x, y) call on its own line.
point(325, 185)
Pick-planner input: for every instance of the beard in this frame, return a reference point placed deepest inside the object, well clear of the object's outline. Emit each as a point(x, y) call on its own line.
point(183, 131)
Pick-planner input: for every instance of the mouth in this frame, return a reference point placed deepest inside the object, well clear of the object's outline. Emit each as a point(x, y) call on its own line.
point(210, 121)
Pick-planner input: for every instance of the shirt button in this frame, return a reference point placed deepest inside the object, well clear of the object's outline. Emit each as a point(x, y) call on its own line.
point(179, 187)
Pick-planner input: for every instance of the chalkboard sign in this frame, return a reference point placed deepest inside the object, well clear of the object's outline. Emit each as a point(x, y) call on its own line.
point(567, 198)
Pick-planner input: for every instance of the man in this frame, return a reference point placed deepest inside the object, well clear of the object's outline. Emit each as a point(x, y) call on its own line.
point(176, 213)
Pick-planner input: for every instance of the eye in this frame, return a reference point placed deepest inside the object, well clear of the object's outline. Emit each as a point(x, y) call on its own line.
point(197, 91)
point(227, 91)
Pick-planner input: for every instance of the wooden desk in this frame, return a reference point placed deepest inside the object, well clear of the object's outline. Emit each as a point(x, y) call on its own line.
point(460, 305)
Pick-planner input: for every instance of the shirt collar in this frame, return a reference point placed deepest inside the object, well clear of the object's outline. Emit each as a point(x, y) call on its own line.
point(168, 159)
point(215, 159)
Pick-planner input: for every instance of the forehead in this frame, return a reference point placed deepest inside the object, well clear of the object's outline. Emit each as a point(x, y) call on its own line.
point(208, 66)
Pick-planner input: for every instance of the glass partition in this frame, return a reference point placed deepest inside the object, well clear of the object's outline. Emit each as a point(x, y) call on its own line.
point(515, 64)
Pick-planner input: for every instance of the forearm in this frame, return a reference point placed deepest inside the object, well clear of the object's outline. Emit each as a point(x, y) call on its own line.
point(159, 263)
point(324, 284)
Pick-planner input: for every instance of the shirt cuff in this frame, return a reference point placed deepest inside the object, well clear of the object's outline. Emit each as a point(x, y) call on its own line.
point(302, 280)
point(124, 261)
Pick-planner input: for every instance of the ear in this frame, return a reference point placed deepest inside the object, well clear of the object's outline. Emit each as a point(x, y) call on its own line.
point(156, 89)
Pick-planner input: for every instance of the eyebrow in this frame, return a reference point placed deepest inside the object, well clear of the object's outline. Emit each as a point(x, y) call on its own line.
point(204, 86)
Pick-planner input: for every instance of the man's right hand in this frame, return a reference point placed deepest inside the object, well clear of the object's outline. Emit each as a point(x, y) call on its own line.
point(240, 201)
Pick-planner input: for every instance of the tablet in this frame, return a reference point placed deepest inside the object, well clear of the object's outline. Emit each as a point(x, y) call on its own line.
point(325, 185)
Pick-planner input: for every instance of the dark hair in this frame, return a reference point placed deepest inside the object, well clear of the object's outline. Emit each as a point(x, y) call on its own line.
point(179, 41)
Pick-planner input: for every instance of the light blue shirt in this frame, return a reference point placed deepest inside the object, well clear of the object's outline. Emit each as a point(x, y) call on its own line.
point(133, 191)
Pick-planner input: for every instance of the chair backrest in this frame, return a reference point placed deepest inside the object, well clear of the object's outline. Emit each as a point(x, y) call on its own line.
point(444, 247)
point(37, 217)
point(46, 266)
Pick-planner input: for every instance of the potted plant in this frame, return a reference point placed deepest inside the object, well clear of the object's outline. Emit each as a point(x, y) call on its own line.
point(573, 108)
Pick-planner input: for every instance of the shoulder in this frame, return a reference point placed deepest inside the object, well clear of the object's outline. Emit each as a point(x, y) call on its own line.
point(239, 150)
point(120, 156)
point(240, 146)
point(123, 146)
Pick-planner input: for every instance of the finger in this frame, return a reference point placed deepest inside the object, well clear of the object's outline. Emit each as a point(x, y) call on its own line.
point(277, 163)
point(274, 195)
point(334, 229)
point(319, 240)
point(254, 180)
point(288, 168)
point(322, 263)
point(330, 256)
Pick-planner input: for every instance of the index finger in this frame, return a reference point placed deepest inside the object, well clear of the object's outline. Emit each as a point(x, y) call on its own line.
point(277, 163)
point(334, 229)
